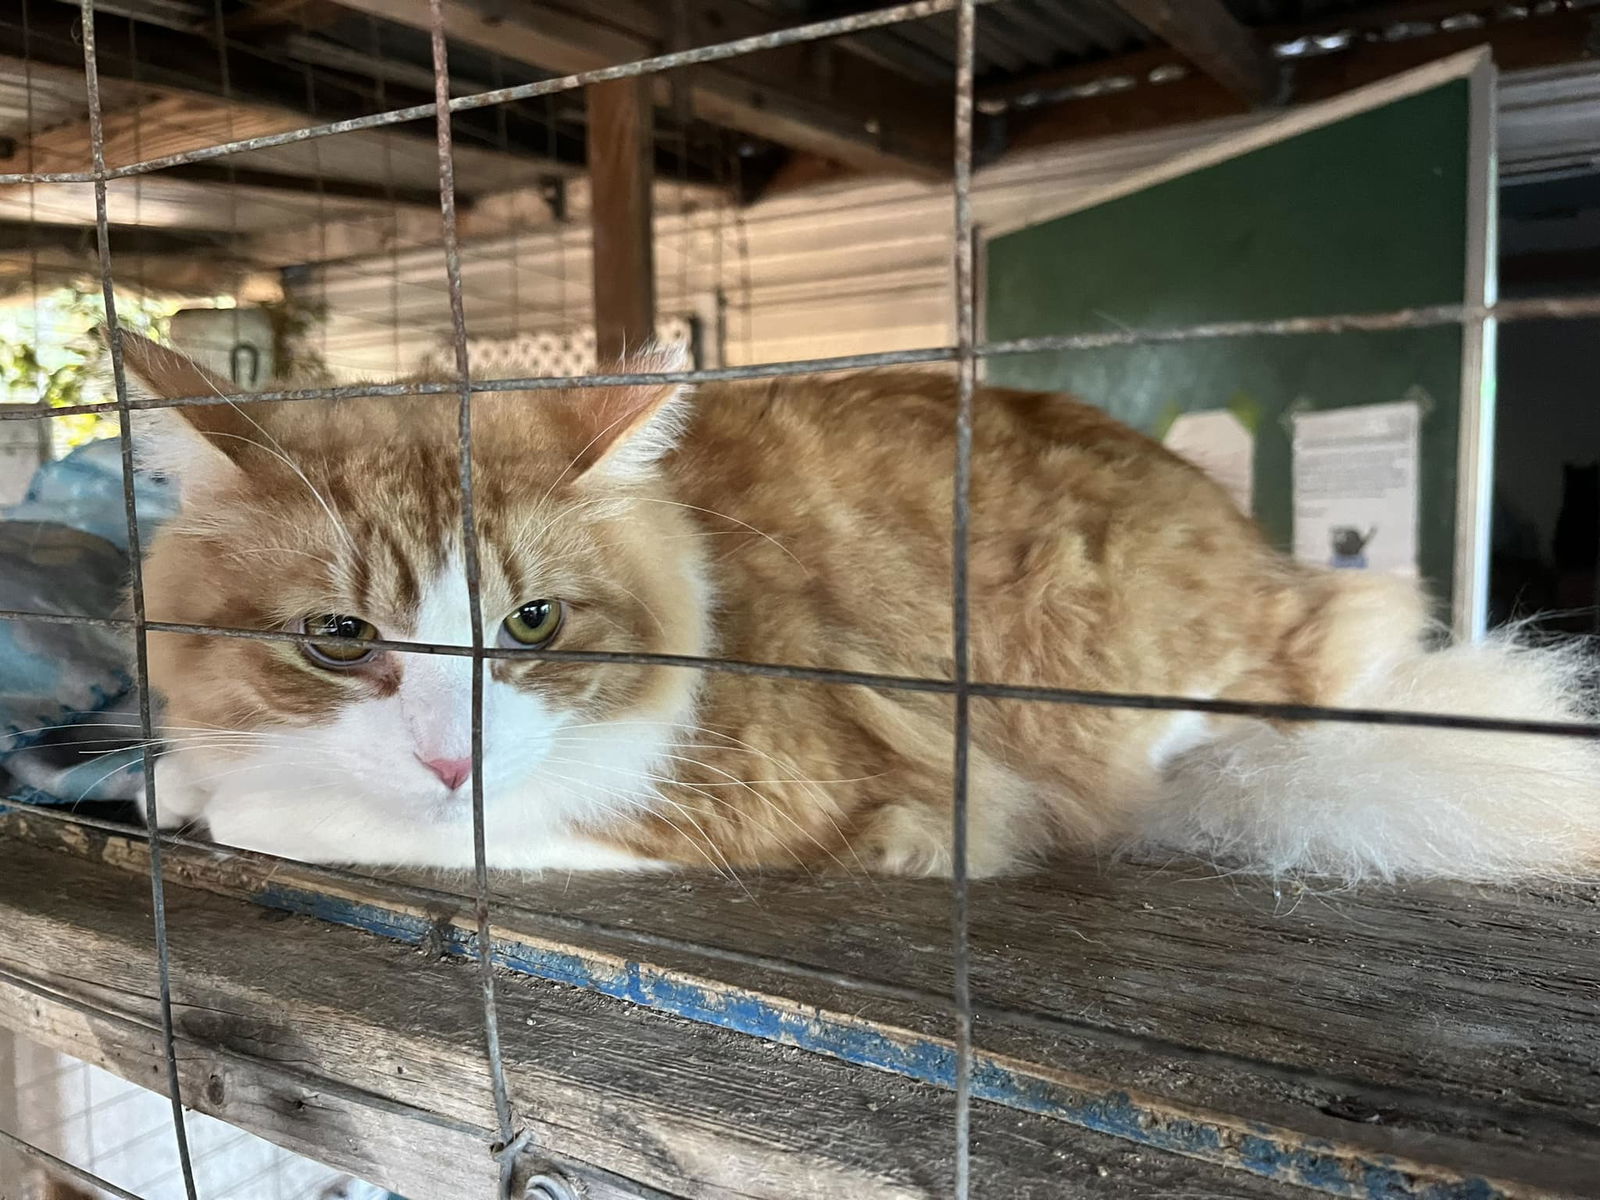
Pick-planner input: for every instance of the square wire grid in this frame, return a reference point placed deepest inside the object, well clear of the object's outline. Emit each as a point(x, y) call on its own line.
point(965, 353)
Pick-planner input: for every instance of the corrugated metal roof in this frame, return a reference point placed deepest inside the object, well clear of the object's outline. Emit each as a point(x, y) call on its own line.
point(1281, 12)
point(1014, 36)
point(1017, 37)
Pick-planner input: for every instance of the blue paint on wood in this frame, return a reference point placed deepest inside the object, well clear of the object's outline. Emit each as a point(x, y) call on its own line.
point(1258, 1149)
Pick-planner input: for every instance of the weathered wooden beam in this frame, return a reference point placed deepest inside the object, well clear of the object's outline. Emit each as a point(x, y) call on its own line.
point(620, 140)
point(819, 98)
point(224, 174)
point(397, 231)
point(492, 215)
point(159, 124)
point(129, 239)
point(1413, 1042)
point(272, 17)
point(183, 274)
point(549, 37)
point(191, 63)
point(162, 123)
point(368, 1056)
point(184, 262)
point(1211, 38)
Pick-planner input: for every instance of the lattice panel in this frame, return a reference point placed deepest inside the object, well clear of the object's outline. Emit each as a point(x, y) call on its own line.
point(547, 352)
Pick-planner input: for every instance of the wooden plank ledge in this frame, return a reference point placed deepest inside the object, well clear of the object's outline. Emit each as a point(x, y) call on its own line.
point(1393, 1054)
point(367, 1055)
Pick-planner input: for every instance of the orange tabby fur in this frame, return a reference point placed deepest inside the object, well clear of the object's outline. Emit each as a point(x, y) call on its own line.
point(1098, 561)
point(819, 511)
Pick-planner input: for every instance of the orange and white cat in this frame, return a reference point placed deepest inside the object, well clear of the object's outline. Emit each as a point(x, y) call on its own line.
point(800, 521)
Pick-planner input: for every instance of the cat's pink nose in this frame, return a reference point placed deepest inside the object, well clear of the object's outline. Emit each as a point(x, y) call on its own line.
point(452, 771)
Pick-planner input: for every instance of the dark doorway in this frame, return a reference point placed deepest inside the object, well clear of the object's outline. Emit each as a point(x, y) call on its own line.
point(1546, 531)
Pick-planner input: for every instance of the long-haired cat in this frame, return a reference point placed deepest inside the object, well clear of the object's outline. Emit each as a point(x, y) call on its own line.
point(799, 521)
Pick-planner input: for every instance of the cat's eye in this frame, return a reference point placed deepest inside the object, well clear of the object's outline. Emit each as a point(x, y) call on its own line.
point(534, 624)
point(353, 630)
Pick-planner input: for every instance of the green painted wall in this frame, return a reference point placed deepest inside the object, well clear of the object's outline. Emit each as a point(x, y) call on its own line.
point(1367, 214)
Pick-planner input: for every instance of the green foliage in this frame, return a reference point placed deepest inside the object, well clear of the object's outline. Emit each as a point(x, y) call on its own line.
point(51, 353)
point(293, 321)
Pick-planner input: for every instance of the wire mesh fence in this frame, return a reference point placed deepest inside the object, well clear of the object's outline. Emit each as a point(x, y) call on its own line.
point(966, 353)
point(120, 1131)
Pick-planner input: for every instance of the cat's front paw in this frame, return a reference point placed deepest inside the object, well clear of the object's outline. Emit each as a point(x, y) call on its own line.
point(179, 800)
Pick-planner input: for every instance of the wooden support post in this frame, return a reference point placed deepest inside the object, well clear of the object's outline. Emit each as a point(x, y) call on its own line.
point(621, 139)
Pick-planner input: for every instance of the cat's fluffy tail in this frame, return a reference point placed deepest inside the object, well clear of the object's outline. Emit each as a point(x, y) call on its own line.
point(1385, 801)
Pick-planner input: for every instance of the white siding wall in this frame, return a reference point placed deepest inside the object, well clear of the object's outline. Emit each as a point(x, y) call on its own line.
point(844, 269)
point(123, 1133)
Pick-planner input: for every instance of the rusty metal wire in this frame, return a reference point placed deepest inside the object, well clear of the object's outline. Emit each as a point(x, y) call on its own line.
point(140, 644)
point(1265, 709)
point(795, 35)
point(60, 1166)
point(469, 541)
point(960, 615)
point(965, 354)
point(1392, 320)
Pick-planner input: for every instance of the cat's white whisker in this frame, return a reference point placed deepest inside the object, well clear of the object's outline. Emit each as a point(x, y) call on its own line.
point(279, 551)
point(699, 789)
point(646, 803)
point(277, 448)
point(105, 725)
point(526, 543)
point(771, 805)
point(98, 780)
point(598, 437)
point(741, 815)
point(728, 517)
point(337, 521)
point(329, 768)
point(635, 597)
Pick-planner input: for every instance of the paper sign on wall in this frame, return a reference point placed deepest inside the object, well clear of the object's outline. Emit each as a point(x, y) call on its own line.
point(1219, 444)
point(1356, 486)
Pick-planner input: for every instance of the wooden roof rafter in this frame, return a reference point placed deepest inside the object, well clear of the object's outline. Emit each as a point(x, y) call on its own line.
point(177, 63)
point(818, 98)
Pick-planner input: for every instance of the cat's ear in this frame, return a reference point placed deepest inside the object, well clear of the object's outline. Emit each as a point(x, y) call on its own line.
point(626, 430)
point(196, 443)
